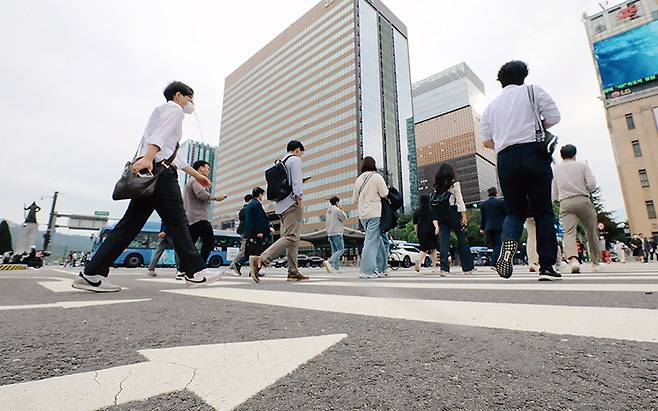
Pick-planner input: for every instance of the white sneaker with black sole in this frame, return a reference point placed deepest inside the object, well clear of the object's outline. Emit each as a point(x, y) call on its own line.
point(505, 263)
point(180, 275)
point(203, 277)
point(328, 266)
point(368, 276)
point(95, 283)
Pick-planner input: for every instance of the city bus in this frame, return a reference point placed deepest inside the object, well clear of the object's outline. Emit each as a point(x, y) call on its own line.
point(141, 249)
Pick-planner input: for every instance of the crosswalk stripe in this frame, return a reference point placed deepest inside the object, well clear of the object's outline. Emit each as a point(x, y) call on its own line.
point(567, 277)
point(69, 304)
point(635, 324)
point(500, 285)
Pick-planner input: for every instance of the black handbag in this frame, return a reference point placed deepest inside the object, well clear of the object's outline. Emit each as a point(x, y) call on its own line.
point(135, 186)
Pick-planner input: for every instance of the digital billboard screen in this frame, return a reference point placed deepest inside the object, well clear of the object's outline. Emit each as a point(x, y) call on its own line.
point(628, 59)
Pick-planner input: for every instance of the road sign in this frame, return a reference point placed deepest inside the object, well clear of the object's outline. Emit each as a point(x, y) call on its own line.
point(216, 373)
point(102, 213)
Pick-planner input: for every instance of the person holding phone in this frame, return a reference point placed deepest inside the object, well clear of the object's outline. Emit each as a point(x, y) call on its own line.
point(196, 199)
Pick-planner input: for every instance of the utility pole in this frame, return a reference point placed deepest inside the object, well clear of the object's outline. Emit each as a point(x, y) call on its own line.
point(51, 224)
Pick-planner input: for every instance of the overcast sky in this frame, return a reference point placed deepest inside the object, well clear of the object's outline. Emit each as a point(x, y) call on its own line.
point(80, 78)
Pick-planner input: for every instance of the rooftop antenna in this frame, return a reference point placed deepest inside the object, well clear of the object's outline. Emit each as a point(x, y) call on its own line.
point(604, 5)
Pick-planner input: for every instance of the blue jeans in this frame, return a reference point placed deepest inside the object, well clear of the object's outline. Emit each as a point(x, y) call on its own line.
point(525, 177)
point(373, 256)
point(453, 223)
point(337, 250)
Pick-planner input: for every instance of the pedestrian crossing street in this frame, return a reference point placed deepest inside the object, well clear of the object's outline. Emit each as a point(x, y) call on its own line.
point(344, 294)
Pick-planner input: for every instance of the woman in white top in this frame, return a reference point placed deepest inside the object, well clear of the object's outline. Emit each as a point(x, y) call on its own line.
point(369, 189)
point(450, 215)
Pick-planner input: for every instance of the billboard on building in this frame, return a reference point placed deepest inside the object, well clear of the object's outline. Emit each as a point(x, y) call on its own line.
point(628, 61)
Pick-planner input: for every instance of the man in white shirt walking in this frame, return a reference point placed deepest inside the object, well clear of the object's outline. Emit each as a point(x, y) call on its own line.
point(573, 182)
point(510, 126)
point(159, 146)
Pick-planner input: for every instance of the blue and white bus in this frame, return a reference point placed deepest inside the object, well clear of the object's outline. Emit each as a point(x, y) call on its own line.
point(141, 249)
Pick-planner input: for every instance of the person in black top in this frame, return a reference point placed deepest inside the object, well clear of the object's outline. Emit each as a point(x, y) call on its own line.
point(426, 231)
point(257, 228)
point(236, 264)
point(492, 215)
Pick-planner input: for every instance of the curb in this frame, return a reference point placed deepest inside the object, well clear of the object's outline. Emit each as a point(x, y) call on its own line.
point(11, 267)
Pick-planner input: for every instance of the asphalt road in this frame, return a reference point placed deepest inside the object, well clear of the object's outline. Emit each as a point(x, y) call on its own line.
point(413, 341)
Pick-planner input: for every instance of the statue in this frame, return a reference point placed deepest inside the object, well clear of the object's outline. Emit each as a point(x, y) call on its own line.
point(29, 230)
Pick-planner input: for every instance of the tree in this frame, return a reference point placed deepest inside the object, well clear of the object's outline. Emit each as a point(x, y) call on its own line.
point(5, 238)
point(614, 230)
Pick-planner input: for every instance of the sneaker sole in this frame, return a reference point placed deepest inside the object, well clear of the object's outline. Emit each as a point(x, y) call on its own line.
point(86, 287)
point(190, 284)
point(327, 268)
point(549, 278)
point(505, 263)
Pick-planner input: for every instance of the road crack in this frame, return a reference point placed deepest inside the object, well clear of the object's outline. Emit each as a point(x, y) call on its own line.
point(96, 379)
point(116, 397)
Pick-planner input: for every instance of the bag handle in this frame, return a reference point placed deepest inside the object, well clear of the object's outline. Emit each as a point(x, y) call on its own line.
point(539, 125)
point(364, 183)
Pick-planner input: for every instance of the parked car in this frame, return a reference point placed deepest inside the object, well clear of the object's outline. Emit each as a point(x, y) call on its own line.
point(316, 261)
point(406, 256)
point(303, 261)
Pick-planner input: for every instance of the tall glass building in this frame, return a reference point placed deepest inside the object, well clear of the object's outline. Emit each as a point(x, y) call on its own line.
point(338, 80)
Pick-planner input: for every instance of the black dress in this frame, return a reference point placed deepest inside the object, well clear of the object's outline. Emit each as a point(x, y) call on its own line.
point(425, 231)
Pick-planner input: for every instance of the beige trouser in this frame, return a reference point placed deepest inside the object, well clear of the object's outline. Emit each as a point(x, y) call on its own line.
point(580, 208)
point(531, 247)
point(291, 226)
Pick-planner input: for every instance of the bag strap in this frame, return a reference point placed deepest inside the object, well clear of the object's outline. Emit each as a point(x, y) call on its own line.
point(364, 183)
point(539, 125)
point(172, 157)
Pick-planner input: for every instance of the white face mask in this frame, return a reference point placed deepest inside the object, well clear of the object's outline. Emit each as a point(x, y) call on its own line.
point(188, 108)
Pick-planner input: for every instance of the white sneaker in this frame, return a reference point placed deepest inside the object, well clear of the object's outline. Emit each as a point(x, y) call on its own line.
point(95, 283)
point(151, 273)
point(328, 266)
point(368, 276)
point(203, 277)
point(575, 266)
point(444, 273)
point(180, 275)
point(381, 275)
point(597, 268)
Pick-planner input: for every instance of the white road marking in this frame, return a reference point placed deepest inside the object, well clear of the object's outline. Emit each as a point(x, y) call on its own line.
point(501, 285)
point(633, 324)
point(496, 278)
point(69, 304)
point(182, 282)
point(223, 375)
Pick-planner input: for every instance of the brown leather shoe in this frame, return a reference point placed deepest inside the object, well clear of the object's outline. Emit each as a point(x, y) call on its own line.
point(297, 277)
point(254, 265)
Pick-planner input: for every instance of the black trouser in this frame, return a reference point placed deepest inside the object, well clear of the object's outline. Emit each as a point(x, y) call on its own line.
point(167, 201)
point(203, 230)
point(525, 175)
point(494, 239)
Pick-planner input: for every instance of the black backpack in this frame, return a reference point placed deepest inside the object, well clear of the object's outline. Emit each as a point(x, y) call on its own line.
point(440, 203)
point(241, 218)
point(278, 182)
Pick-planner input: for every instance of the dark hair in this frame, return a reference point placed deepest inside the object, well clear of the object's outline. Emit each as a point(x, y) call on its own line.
point(368, 164)
point(177, 87)
point(334, 200)
point(492, 192)
point(200, 163)
point(445, 178)
point(568, 151)
point(424, 205)
point(257, 191)
point(513, 72)
point(294, 145)
point(248, 198)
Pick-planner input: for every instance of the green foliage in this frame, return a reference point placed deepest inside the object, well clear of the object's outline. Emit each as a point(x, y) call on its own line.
point(5, 238)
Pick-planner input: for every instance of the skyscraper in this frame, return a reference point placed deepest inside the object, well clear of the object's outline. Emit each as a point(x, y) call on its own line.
point(624, 44)
point(338, 80)
point(447, 110)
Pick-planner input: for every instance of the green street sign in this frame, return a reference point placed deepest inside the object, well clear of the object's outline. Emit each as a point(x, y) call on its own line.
point(102, 213)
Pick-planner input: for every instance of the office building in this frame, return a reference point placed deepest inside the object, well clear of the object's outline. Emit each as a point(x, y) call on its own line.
point(338, 80)
point(624, 45)
point(447, 108)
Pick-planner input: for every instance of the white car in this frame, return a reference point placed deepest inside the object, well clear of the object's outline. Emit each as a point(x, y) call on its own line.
point(406, 255)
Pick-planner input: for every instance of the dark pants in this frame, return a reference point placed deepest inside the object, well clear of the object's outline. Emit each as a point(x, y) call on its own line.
point(453, 223)
point(525, 176)
point(203, 230)
point(167, 201)
point(494, 239)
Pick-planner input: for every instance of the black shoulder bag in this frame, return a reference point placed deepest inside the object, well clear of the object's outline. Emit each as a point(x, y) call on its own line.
point(136, 186)
point(541, 134)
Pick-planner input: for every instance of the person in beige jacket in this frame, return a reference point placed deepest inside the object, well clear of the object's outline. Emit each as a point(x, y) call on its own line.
point(573, 182)
point(369, 189)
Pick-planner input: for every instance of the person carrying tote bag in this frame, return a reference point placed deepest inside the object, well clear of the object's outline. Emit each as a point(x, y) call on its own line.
point(157, 151)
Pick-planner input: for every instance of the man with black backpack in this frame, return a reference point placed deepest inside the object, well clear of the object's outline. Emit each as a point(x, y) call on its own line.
point(236, 264)
point(285, 187)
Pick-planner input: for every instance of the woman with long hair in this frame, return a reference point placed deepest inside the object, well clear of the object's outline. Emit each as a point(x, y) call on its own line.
point(369, 189)
point(426, 232)
point(450, 215)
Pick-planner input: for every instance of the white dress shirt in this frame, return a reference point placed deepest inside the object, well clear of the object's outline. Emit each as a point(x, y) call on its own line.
point(164, 129)
point(509, 119)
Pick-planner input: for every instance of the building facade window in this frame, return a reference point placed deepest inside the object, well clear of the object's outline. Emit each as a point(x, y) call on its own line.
point(651, 209)
point(637, 150)
point(644, 178)
point(630, 122)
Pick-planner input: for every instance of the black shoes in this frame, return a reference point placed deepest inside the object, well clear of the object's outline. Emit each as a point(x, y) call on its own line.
point(549, 274)
point(505, 263)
